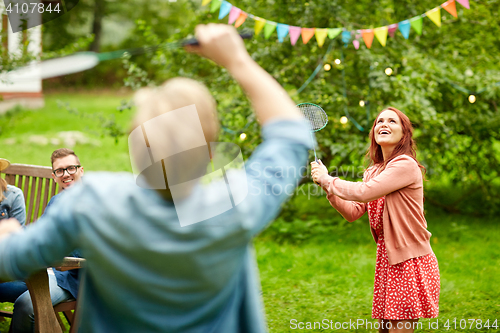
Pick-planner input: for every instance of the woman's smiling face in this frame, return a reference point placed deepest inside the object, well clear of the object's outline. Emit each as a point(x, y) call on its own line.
point(388, 130)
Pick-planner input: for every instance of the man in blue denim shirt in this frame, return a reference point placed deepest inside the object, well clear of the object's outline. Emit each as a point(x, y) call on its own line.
point(146, 272)
point(63, 286)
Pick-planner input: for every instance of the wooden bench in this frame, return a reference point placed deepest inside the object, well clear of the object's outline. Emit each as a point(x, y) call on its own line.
point(38, 187)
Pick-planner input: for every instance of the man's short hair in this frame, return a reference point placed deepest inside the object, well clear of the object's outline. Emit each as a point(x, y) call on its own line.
point(62, 152)
point(174, 94)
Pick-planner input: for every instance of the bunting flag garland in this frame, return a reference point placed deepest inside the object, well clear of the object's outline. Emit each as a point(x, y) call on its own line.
point(234, 14)
point(307, 34)
point(241, 19)
point(404, 27)
point(346, 37)
point(269, 29)
point(416, 24)
point(215, 5)
point(391, 29)
point(282, 31)
point(225, 8)
point(259, 24)
point(381, 34)
point(334, 32)
point(450, 7)
point(294, 34)
point(464, 3)
point(321, 36)
point(237, 17)
point(367, 37)
point(435, 15)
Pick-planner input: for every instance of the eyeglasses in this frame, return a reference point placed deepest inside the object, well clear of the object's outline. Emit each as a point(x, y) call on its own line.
point(71, 170)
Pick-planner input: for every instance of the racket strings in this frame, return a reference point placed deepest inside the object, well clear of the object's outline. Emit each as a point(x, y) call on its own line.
point(315, 115)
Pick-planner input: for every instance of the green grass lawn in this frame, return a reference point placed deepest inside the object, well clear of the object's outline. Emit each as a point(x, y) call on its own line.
point(330, 276)
point(327, 276)
point(28, 135)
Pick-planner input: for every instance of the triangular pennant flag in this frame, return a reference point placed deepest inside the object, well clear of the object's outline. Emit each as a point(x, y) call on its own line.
point(241, 19)
point(294, 34)
point(367, 37)
point(321, 36)
point(416, 24)
point(404, 27)
point(435, 15)
point(346, 37)
point(259, 24)
point(269, 28)
point(334, 32)
point(381, 34)
point(450, 7)
point(392, 29)
point(464, 3)
point(215, 5)
point(282, 31)
point(234, 14)
point(205, 2)
point(356, 44)
point(225, 8)
point(307, 33)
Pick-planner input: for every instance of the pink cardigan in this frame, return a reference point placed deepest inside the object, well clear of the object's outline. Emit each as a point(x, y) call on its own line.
point(405, 228)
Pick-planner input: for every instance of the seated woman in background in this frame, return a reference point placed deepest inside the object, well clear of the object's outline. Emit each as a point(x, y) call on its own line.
point(11, 199)
point(11, 205)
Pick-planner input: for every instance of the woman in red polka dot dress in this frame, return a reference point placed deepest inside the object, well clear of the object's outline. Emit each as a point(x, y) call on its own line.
point(406, 273)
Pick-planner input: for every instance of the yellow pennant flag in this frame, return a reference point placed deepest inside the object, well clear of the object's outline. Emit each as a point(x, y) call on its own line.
point(321, 36)
point(205, 2)
point(259, 25)
point(435, 15)
point(381, 34)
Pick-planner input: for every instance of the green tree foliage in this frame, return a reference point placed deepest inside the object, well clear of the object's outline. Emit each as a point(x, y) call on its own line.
point(458, 141)
point(433, 74)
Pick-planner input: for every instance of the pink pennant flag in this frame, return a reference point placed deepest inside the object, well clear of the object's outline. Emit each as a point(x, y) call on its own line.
point(234, 14)
point(356, 44)
point(392, 29)
point(464, 3)
point(294, 33)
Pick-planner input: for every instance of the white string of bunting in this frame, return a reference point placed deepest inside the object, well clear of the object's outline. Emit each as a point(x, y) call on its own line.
point(237, 17)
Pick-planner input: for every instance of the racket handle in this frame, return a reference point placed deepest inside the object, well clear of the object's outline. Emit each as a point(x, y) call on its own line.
point(194, 41)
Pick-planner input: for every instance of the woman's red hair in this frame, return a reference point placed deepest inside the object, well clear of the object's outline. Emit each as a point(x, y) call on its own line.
point(406, 146)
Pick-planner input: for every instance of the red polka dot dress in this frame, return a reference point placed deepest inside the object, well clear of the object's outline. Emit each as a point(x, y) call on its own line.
point(408, 290)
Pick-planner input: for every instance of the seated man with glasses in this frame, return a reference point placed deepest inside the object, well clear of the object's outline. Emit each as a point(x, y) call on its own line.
point(63, 285)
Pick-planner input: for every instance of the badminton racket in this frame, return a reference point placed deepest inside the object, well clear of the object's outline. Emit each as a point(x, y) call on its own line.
point(317, 119)
point(82, 61)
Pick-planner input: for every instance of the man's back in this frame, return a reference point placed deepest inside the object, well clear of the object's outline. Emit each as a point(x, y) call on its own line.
point(147, 273)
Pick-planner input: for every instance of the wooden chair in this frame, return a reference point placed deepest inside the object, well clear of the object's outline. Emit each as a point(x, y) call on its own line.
point(38, 187)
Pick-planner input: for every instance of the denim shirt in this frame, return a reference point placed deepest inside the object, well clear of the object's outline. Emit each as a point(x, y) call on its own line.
point(147, 273)
point(67, 280)
point(13, 205)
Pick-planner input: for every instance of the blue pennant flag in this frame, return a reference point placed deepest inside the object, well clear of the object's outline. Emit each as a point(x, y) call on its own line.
point(404, 27)
point(346, 37)
point(282, 31)
point(225, 8)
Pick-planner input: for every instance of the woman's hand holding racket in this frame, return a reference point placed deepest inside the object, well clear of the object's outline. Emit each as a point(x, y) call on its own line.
point(318, 170)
